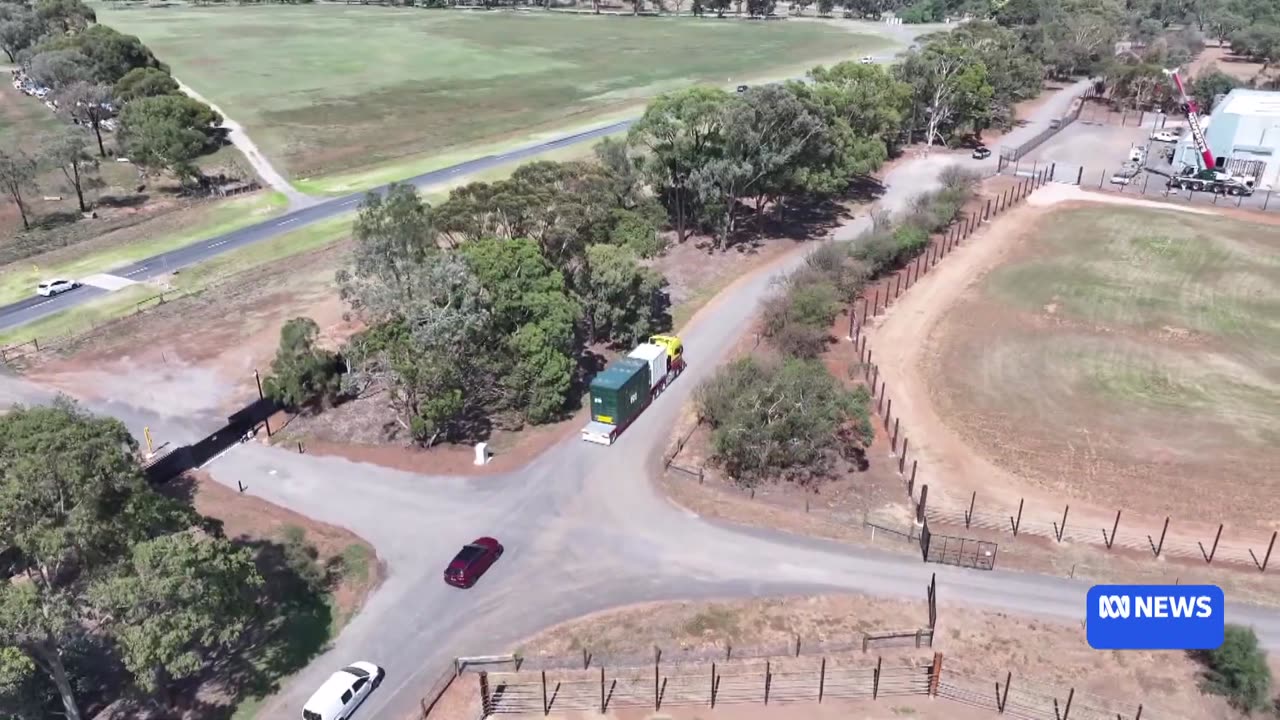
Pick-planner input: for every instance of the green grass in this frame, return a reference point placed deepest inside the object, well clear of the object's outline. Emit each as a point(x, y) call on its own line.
point(1149, 271)
point(19, 279)
point(329, 89)
point(82, 319)
point(302, 240)
point(1151, 314)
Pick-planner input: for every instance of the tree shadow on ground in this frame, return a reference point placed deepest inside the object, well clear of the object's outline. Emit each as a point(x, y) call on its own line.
point(122, 201)
point(293, 627)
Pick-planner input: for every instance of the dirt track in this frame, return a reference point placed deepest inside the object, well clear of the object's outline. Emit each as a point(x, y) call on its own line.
point(903, 349)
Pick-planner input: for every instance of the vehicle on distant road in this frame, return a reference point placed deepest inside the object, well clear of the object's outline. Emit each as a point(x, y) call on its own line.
point(867, 60)
point(743, 88)
point(626, 387)
point(343, 692)
point(1167, 136)
point(982, 152)
point(49, 288)
point(472, 561)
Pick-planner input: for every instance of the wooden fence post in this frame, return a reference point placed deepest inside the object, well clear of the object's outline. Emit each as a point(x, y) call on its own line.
point(968, 517)
point(713, 685)
point(1060, 530)
point(875, 679)
point(545, 710)
point(1066, 713)
point(768, 680)
point(1266, 558)
point(1002, 698)
point(935, 674)
point(1208, 557)
point(1018, 522)
point(902, 459)
point(485, 704)
point(1156, 548)
point(602, 700)
point(822, 680)
point(1111, 540)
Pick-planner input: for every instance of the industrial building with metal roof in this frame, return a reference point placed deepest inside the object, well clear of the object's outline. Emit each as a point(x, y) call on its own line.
point(1244, 134)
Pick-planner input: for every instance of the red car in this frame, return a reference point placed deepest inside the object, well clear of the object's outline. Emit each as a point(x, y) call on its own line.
point(472, 561)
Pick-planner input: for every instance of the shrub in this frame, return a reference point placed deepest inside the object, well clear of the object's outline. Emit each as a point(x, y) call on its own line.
point(777, 420)
point(798, 320)
point(1238, 670)
point(909, 240)
point(959, 179)
point(302, 558)
point(877, 249)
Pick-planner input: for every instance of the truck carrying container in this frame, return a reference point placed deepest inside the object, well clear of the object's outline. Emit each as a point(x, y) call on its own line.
point(627, 385)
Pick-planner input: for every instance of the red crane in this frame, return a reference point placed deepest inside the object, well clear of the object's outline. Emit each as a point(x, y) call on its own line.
point(1193, 119)
point(1209, 178)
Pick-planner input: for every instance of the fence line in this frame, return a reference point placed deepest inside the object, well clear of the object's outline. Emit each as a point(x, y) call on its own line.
point(794, 647)
point(1149, 539)
point(1155, 540)
point(13, 355)
point(786, 680)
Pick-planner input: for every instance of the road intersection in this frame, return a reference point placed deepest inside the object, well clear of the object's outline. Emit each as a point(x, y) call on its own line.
point(583, 525)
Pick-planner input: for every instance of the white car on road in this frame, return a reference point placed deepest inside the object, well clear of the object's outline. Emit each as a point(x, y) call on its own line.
point(1164, 136)
point(867, 60)
point(49, 288)
point(343, 692)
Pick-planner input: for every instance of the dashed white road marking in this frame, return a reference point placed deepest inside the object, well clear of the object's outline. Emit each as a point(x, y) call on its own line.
point(107, 281)
point(220, 242)
point(135, 272)
point(286, 222)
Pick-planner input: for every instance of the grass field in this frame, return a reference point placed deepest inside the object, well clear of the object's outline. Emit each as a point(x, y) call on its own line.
point(405, 82)
point(1126, 350)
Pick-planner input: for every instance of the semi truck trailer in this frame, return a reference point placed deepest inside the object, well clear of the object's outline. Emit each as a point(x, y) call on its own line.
point(627, 385)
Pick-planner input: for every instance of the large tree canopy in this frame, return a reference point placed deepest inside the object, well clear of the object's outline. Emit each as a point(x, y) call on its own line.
point(73, 508)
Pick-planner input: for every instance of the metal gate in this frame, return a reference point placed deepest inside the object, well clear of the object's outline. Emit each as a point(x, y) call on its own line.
point(959, 551)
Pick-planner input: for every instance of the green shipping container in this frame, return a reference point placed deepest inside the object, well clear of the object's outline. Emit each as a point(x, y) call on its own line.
point(620, 392)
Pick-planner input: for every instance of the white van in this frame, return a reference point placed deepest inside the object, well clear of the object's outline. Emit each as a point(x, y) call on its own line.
point(343, 692)
point(1137, 154)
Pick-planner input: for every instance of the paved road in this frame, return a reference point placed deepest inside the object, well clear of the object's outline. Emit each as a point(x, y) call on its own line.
point(584, 527)
point(34, 308)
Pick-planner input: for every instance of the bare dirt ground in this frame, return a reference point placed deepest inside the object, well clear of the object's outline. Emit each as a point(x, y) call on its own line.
point(196, 355)
point(1229, 63)
point(951, 463)
point(878, 495)
point(978, 647)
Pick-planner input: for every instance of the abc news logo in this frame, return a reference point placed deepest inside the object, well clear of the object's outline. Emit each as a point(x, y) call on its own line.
point(1123, 607)
point(1155, 617)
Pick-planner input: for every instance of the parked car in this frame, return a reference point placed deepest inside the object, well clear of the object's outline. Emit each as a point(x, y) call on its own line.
point(1137, 154)
point(1125, 175)
point(343, 692)
point(49, 288)
point(472, 561)
point(1055, 123)
point(1164, 136)
point(867, 60)
point(743, 88)
point(982, 152)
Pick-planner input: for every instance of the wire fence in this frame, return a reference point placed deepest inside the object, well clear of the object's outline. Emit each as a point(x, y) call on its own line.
point(19, 355)
point(658, 685)
point(796, 647)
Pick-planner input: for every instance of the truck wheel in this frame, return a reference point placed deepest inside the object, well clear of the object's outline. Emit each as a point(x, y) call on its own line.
point(1197, 186)
point(1233, 191)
